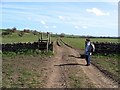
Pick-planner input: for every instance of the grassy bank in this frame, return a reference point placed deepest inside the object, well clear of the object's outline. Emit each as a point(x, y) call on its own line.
point(107, 63)
point(24, 70)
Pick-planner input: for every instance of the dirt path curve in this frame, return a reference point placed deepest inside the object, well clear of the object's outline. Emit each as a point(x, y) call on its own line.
point(57, 74)
point(56, 78)
point(97, 77)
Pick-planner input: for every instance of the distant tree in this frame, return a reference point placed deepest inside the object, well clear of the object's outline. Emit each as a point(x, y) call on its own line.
point(5, 33)
point(26, 30)
point(21, 33)
point(35, 32)
point(8, 29)
point(13, 29)
point(62, 35)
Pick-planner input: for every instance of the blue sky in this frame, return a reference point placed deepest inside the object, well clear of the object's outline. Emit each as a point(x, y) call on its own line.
point(78, 18)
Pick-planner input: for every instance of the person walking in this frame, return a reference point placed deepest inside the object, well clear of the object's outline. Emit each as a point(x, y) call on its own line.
point(87, 51)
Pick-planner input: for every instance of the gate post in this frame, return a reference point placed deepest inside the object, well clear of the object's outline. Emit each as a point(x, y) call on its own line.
point(47, 41)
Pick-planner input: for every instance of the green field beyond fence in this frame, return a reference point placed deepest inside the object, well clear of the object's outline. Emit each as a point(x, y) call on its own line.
point(27, 37)
point(79, 43)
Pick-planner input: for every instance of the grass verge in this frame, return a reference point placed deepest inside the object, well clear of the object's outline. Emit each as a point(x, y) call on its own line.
point(27, 53)
point(107, 64)
point(24, 70)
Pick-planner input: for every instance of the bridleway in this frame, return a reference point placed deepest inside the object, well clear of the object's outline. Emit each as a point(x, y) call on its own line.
point(65, 62)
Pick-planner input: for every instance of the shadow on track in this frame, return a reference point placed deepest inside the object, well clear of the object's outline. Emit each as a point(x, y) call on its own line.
point(69, 64)
point(82, 56)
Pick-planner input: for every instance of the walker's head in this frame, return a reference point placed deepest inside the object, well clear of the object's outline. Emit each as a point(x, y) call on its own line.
point(87, 39)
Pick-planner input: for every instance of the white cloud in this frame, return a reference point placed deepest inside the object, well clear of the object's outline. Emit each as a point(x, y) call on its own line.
point(84, 27)
point(61, 17)
point(98, 12)
point(54, 26)
point(29, 18)
point(43, 22)
point(46, 27)
point(76, 27)
point(59, 0)
point(26, 28)
point(66, 18)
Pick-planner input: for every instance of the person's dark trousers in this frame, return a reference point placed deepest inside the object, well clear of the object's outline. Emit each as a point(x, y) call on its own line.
point(87, 57)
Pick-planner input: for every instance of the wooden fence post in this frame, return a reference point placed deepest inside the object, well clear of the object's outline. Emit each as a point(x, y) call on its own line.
point(47, 40)
point(41, 37)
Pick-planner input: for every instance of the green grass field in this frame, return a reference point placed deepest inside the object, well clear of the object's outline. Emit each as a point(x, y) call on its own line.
point(27, 37)
point(15, 38)
point(80, 42)
point(109, 63)
point(30, 37)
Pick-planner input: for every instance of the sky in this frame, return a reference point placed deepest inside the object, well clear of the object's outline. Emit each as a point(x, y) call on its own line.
point(74, 18)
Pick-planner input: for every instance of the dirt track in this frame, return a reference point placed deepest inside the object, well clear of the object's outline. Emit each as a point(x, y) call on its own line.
point(67, 70)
